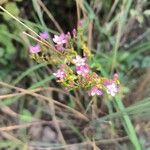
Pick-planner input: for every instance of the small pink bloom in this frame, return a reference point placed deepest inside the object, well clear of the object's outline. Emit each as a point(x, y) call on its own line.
point(108, 82)
point(79, 61)
point(60, 39)
point(44, 35)
point(60, 47)
point(74, 33)
point(62, 66)
point(68, 36)
point(59, 74)
point(80, 23)
point(115, 76)
point(95, 75)
point(95, 91)
point(34, 49)
point(83, 70)
point(112, 89)
point(66, 89)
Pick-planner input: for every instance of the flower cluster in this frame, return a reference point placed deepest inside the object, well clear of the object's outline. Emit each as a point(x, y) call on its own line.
point(82, 67)
point(36, 48)
point(74, 70)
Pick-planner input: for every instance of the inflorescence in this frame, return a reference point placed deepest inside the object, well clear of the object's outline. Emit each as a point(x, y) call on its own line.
point(72, 60)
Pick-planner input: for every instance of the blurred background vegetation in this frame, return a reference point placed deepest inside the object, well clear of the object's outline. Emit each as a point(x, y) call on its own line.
point(119, 36)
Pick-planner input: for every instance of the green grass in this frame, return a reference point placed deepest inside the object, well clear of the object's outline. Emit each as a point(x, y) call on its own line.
point(108, 56)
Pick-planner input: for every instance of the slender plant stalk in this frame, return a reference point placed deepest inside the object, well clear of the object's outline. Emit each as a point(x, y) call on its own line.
point(112, 10)
point(44, 41)
point(18, 21)
point(89, 105)
point(121, 22)
point(128, 124)
point(49, 14)
point(78, 12)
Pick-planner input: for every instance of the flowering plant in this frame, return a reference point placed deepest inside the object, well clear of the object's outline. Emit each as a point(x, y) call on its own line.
point(72, 57)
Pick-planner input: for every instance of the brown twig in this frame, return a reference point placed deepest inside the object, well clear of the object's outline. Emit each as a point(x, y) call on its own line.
point(16, 140)
point(61, 137)
point(76, 99)
point(50, 16)
point(90, 34)
point(80, 115)
point(105, 141)
point(112, 10)
point(14, 127)
point(78, 12)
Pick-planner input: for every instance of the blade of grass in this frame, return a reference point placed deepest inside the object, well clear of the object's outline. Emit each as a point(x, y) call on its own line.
point(50, 16)
point(121, 21)
point(135, 109)
point(112, 10)
point(128, 124)
point(28, 71)
point(42, 82)
point(39, 13)
point(78, 11)
point(138, 52)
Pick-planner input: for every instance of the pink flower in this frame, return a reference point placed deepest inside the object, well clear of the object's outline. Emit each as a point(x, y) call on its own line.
point(66, 89)
point(95, 91)
point(59, 74)
point(34, 49)
point(60, 47)
point(112, 89)
point(44, 35)
point(80, 23)
point(95, 75)
point(74, 33)
point(115, 76)
point(108, 82)
point(68, 36)
point(60, 39)
point(83, 70)
point(78, 61)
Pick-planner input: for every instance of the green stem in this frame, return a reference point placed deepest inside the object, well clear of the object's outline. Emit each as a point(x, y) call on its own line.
point(128, 124)
point(90, 103)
